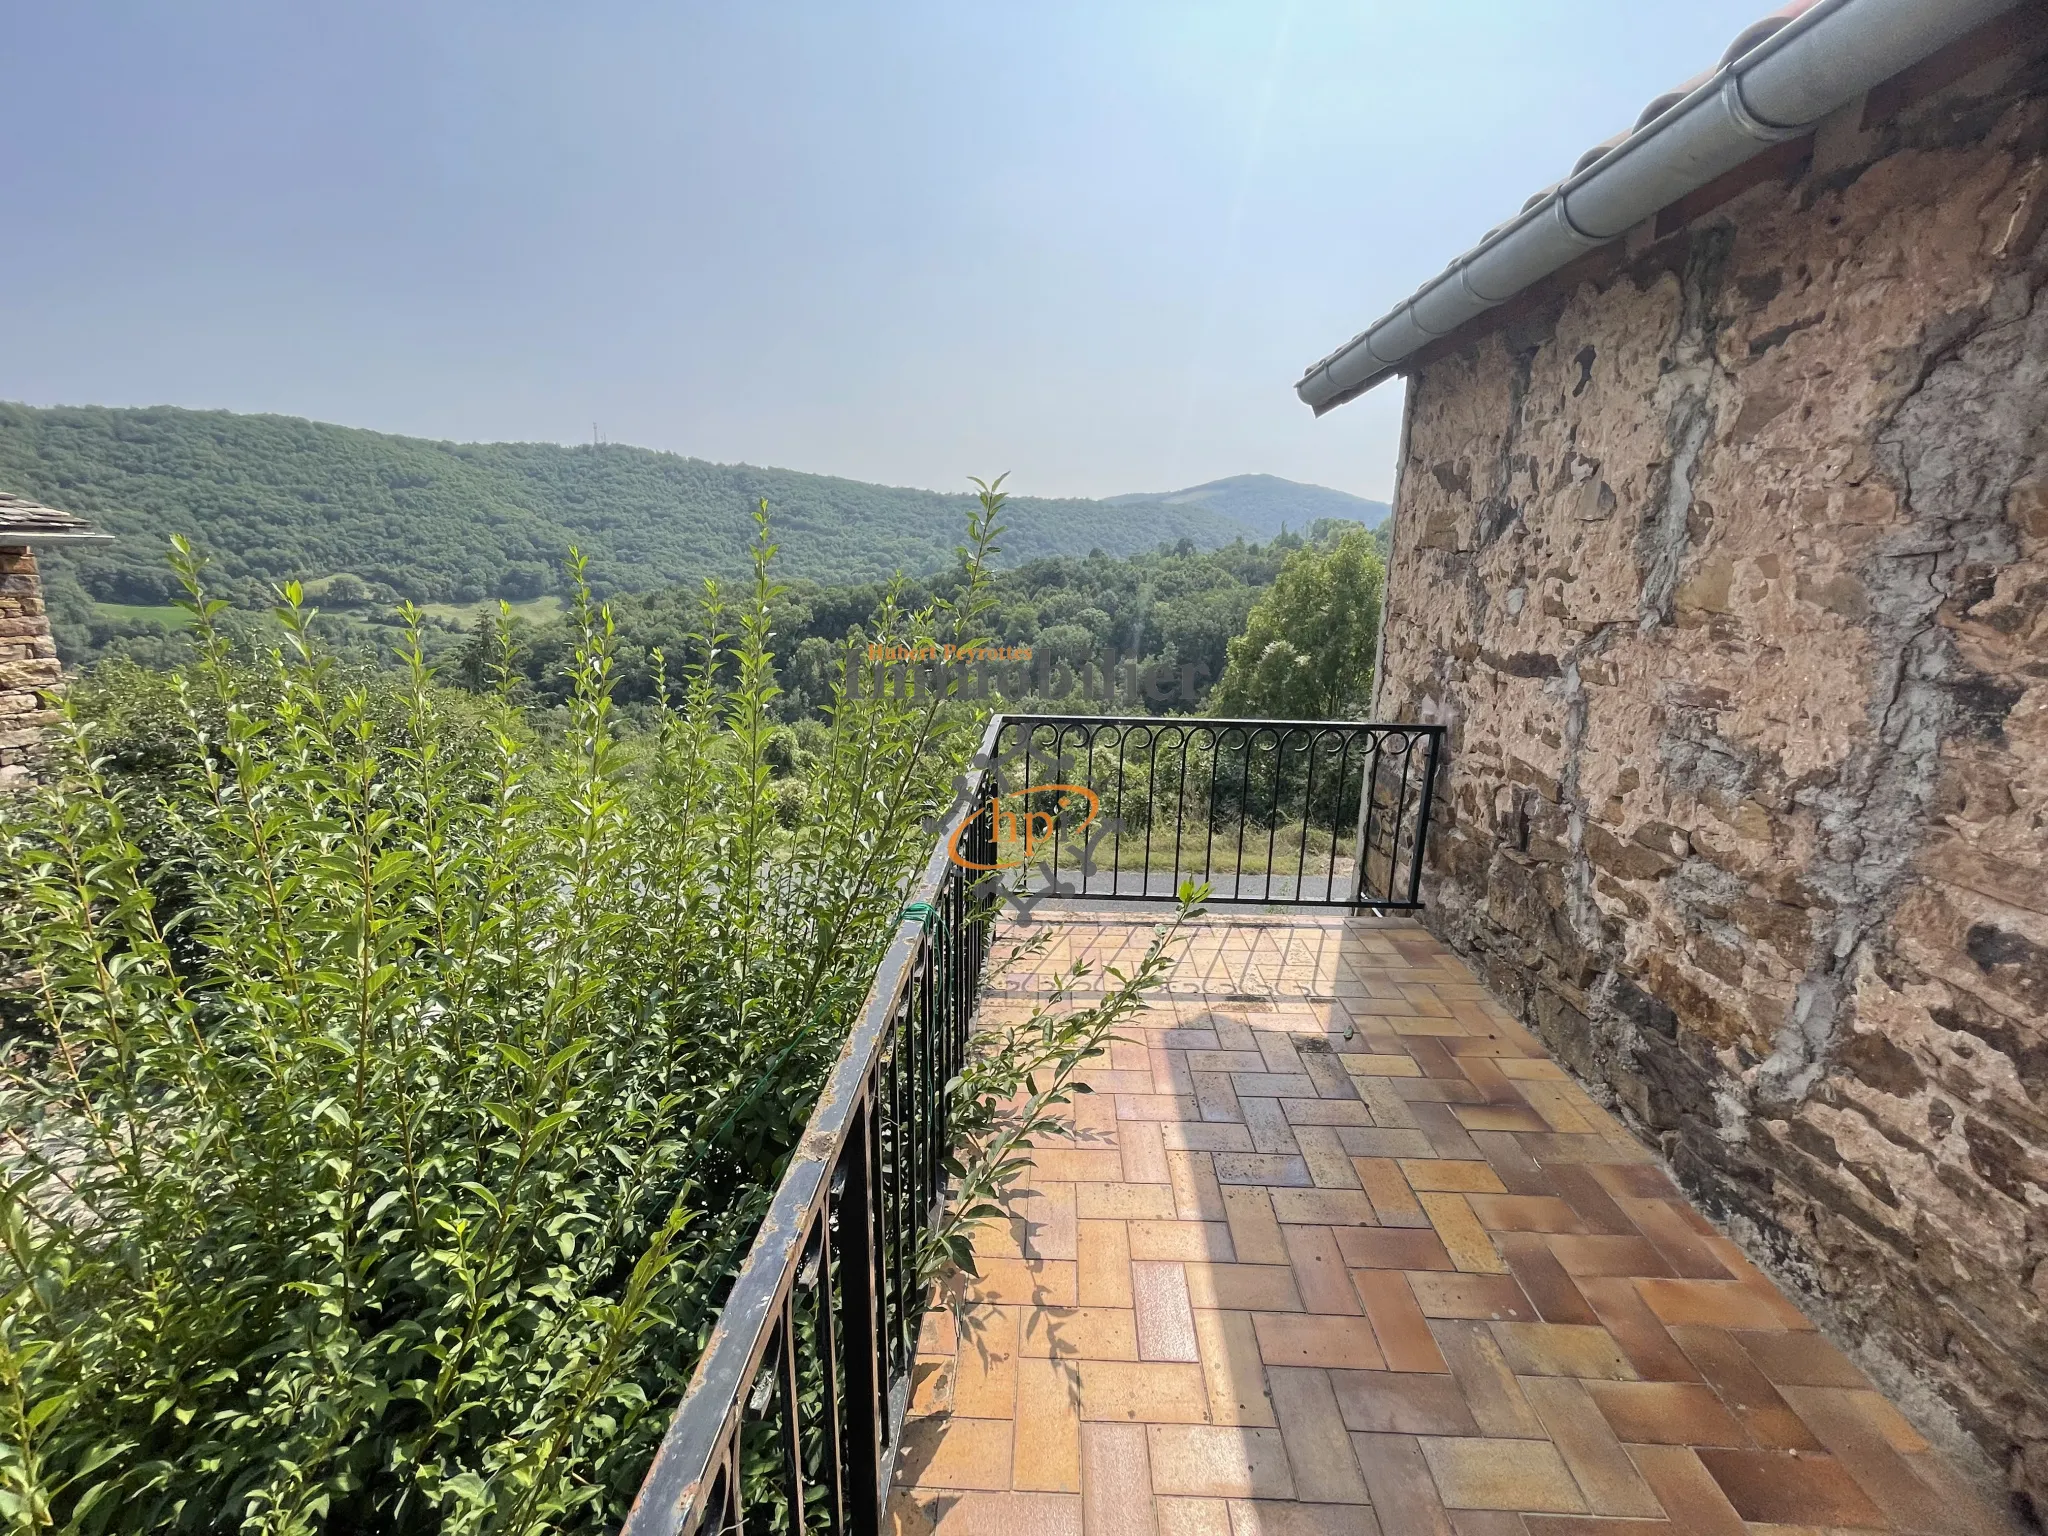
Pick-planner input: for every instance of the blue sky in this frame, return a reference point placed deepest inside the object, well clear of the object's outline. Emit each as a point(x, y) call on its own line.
point(1091, 244)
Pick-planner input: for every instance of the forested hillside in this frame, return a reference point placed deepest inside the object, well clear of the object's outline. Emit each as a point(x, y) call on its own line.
point(1265, 504)
point(273, 496)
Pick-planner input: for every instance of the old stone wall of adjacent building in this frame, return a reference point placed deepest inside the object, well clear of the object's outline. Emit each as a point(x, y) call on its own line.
point(28, 663)
point(1728, 570)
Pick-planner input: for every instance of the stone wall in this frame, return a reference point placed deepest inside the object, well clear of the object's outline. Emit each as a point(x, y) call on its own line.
point(28, 663)
point(1728, 568)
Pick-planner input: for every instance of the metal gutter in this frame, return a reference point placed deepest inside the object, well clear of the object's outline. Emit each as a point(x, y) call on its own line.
point(1768, 88)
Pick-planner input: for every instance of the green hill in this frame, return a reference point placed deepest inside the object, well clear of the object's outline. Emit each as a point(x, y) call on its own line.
point(273, 496)
point(1265, 504)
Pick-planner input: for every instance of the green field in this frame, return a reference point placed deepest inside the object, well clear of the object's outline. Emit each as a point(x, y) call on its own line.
point(165, 616)
point(534, 610)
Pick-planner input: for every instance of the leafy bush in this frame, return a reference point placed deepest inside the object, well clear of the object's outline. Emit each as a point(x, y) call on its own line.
point(383, 1124)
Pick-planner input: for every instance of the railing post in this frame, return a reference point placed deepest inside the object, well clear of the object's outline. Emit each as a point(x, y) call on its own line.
point(1367, 772)
point(1422, 822)
point(867, 1413)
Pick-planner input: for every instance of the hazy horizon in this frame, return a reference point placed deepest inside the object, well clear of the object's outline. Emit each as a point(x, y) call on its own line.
point(1091, 246)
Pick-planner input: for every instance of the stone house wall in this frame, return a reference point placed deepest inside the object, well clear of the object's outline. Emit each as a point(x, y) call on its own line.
point(28, 663)
point(1726, 562)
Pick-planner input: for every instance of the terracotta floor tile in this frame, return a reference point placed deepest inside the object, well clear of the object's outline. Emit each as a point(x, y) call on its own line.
point(1328, 1163)
point(1301, 1338)
point(1482, 1374)
point(1404, 1494)
point(1123, 1202)
point(1049, 1216)
point(1562, 1349)
point(1648, 1345)
point(1196, 1196)
point(1077, 1163)
point(1605, 1256)
point(1499, 1117)
point(1604, 1473)
point(1397, 1322)
point(1243, 1287)
point(1155, 1106)
point(1464, 1177)
point(1280, 1168)
point(1077, 1333)
point(1180, 1240)
point(1524, 1213)
point(1103, 1274)
point(1323, 1207)
point(931, 1388)
point(1319, 1452)
point(1791, 1488)
point(1385, 1402)
point(985, 1367)
point(1538, 1068)
point(949, 1512)
point(1666, 1413)
point(1046, 1450)
point(1854, 1436)
point(1267, 1122)
point(1205, 1136)
point(1392, 1248)
point(1325, 1111)
point(1393, 1200)
point(1575, 1181)
point(1490, 1298)
point(1381, 1065)
point(1278, 1517)
point(1543, 1279)
point(1050, 1282)
point(1320, 1274)
point(1218, 1461)
point(1759, 1409)
point(955, 1453)
point(1254, 1232)
point(1391, 1111)
point(1187, 1517)
point(1166, 1322)
point(935, 1333)
point(1142, 1152)
point(1116, 1482)
point(1872, 1407)
point(1802, 1360)
point(1688, 1492)
point(1233, 1194)
point(1708, 1303)
point(1463, 1237)
point(1502, 1474)
point(1383, 1141)
point(1144, 1392)
point(1520, 1172)
point(1448, 1135)
point(1491, 1522)
point(1231, 1369)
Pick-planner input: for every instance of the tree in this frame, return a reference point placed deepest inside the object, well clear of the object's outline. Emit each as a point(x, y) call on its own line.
point(1308, 649)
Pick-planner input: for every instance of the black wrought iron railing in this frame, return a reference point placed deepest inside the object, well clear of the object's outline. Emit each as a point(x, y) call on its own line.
point(793, 1420)
point(1268, 812)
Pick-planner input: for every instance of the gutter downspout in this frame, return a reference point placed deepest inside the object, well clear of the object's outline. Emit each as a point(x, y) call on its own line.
point(1776, 90)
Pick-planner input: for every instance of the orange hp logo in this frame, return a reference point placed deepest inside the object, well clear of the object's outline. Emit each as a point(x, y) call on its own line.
point(1025, 825)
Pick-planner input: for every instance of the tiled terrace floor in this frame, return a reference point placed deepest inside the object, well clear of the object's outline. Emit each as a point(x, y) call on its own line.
point(1336, 1248)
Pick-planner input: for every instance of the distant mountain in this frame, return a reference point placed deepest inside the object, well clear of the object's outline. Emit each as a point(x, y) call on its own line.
point(1264, 504)
point(270, 497)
